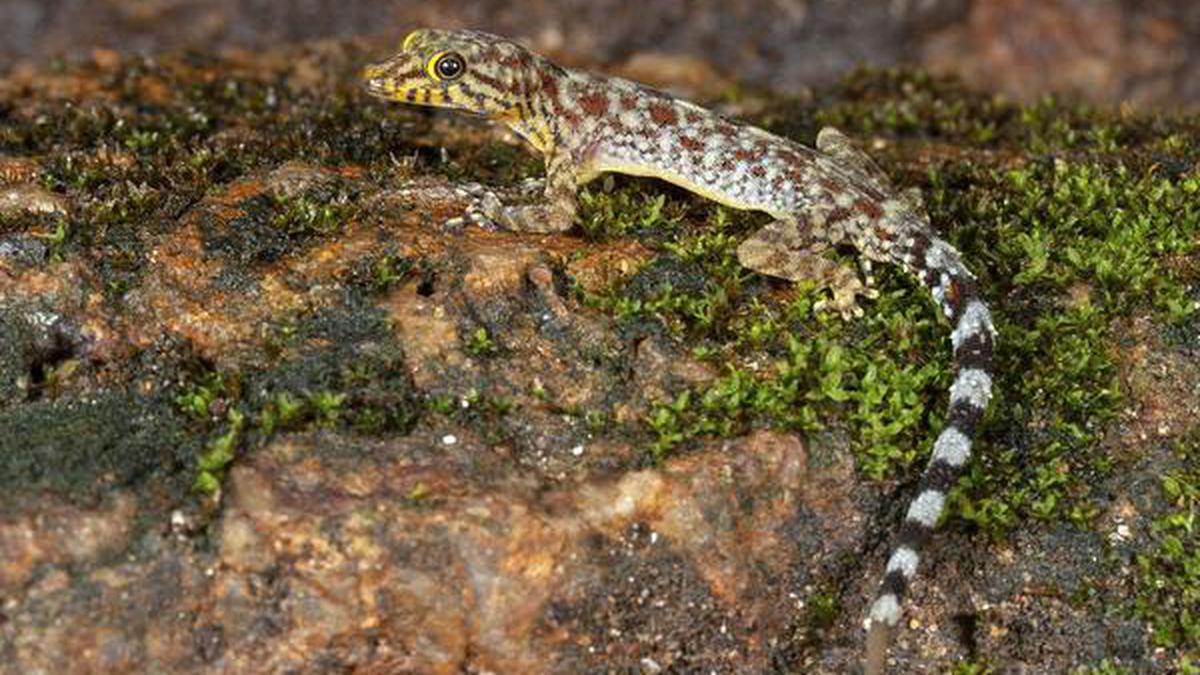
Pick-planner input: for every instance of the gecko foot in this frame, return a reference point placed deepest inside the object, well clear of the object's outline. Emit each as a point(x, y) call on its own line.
point(531, 188)
point(483, 209)
point(845, 296)
point(786, 250)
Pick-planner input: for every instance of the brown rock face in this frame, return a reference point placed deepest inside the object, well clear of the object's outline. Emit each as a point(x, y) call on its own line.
point(419, 556)
point(402, 430)
point(471, 572)
point(260, 412)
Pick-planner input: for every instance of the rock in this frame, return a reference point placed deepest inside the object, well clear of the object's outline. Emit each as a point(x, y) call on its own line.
point(260, 411)
point(28, 198)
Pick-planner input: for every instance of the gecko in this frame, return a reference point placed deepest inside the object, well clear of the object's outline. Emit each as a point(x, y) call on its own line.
point(820, 198)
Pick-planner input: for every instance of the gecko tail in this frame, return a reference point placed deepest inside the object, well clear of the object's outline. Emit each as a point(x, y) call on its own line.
point(941, 270)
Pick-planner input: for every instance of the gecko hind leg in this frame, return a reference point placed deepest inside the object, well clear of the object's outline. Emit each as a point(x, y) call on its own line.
point(839, 146)
point(784, 249)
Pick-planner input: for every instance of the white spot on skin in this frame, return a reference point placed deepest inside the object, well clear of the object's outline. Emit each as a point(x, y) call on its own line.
point(886, 610)
point(940, 256)
point(952, 447)
point(975, 319)
point(973, 386)
point(904, 560)
point(926, 508)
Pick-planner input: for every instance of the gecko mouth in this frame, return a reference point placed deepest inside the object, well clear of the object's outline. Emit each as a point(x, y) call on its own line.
point(375, 82)
point(378, 85)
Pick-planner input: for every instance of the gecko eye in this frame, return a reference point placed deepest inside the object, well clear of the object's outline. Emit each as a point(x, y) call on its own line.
point(449, 66)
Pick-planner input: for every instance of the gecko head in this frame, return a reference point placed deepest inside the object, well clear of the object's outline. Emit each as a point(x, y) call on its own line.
point(459, 69)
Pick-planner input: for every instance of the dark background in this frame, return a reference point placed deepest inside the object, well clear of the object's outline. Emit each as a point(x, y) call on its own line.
point(1106, 51)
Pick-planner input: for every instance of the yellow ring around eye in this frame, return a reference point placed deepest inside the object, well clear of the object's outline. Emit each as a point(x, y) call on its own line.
point(445, 66)
point(431, 66)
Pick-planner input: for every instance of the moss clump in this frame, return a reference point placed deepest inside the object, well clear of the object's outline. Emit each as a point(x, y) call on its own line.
point(1073, 247)
point(608, 212)
point(480, 343)
point(1065, 247)
point(1168, 581)
point(218, 454)
point(483, 413)
point(271, 227)
point(342, 371)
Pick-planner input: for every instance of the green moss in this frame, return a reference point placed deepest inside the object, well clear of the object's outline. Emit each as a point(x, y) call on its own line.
point(306, 215)
point(971, 668)
point(218, 454)
point(824, 371)
point(1105, 667)
point(480, 343)
point(388, 270)
point(1065, 248)
point(289, 411)
point(420, 492)
point(442, 404)
point(690, 289)
point(271, 227)
point(337, 375)
point(610, 210)
point(485, 414)
point(202, 399)
point(822, 610)
point(347, 373)
point(1073, 246)
point(1169, 570)
point(1101, 225)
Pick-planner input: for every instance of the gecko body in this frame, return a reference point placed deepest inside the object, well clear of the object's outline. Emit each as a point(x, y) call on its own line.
point(585, 125)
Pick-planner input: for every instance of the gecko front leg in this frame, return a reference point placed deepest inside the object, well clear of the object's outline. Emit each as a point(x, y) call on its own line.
point(555, 213)
point(787, 250)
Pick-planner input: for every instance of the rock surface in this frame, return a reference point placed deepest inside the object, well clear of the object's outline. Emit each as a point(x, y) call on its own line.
point(260, 413)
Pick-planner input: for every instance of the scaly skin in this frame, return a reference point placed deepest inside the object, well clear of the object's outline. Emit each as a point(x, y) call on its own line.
point(585, 125)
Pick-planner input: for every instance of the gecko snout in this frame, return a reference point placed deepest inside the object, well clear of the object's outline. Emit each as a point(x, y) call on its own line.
point(376, 81)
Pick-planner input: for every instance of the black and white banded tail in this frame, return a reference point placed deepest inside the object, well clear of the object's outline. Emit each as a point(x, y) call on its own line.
point(940, 268)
